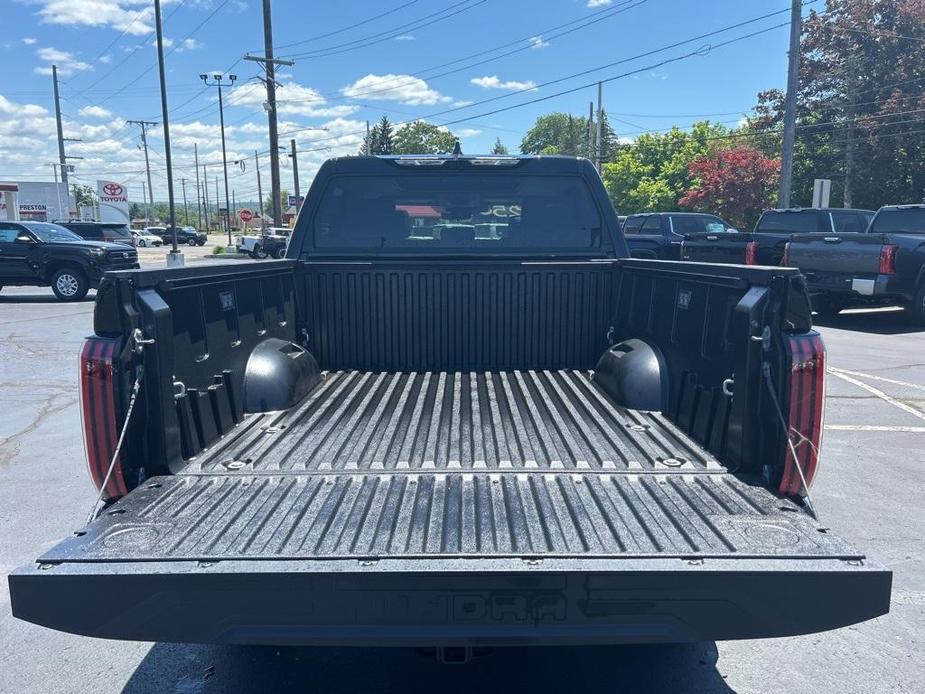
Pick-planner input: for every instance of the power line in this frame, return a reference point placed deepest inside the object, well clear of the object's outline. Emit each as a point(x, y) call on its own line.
point(372, 39)
point(348, 28)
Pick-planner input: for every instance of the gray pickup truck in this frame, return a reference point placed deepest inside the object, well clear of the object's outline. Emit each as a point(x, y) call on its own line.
point(882, 266)
point(456, 415)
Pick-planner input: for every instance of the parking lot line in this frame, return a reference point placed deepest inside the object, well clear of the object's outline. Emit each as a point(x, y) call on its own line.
point(873, 427)
point(880, 394)
point(836, 370)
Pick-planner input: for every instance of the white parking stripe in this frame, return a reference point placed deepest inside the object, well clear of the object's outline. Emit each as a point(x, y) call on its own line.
point(880, 394)
point(873, 427)
point(836, 370)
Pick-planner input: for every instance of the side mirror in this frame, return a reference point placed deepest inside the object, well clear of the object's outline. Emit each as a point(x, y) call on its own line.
point(24, 238)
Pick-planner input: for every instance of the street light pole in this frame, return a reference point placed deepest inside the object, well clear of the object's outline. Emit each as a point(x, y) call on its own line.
point(221, 117)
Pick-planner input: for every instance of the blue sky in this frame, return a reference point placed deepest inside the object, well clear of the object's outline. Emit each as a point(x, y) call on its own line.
point(419, 59)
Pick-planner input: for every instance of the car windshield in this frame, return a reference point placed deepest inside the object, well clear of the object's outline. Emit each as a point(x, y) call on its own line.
point(119, 230)
point(51, 232)
point(457, 212)
point(908, 221)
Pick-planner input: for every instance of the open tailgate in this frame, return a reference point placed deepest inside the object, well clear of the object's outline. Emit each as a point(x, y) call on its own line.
point(414, 557)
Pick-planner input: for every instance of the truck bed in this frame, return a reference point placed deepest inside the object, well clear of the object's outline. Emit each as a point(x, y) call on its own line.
point(388, 499)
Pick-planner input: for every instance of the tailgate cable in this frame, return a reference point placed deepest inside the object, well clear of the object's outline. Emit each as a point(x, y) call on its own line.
point(136, 387)
point(766, 372)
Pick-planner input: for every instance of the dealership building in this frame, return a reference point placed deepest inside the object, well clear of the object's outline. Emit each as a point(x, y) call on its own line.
point(35, 201)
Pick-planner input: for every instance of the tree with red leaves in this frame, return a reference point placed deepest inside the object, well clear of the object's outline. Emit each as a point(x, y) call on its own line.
point(736, 184)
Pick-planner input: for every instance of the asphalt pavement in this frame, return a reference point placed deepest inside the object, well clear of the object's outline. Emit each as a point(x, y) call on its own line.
point(870, 491)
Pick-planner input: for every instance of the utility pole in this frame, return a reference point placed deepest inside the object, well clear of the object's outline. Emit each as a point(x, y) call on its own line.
point(185, 208)
point(198, 191)
point(600, 119)
point(218, 208)
point(234, 209)
point(221, 117)
point(591, 131)
point(61, 158)
point(144, 197)
point(790, 105)
point(174, 257)
point(205, 195)
point(295, 174)
point(259, 189)
point(269, 64)
point(144, 143)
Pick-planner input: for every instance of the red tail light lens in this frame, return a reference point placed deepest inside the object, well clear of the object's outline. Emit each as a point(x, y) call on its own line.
point(888, 260)
point(98, 412)
point(751, 253)
point(807, 397)
point(785, 261)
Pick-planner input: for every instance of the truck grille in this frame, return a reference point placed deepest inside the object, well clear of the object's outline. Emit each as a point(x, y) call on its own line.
point(127, 257)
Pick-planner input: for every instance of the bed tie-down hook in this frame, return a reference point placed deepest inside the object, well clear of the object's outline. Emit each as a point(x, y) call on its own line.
point(140, 341)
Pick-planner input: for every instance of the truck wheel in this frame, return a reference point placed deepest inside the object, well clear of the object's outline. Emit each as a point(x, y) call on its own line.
point(70, 284)
point(191, 242)
point(279, 253)
point(259, 252)
point(916, 309)
point(201, 242)
point(827, 308)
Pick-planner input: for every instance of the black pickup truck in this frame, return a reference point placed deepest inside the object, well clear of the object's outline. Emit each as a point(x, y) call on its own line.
point(455, 415)
point(41, 254)
point(658, 235)
point(765, 245)
point(883, 266)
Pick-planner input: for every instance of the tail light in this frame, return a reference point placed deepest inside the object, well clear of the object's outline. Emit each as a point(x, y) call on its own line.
point(888, 260)
point(785, 261)
point(751, 253)
point(98, 381)
point(807, 396)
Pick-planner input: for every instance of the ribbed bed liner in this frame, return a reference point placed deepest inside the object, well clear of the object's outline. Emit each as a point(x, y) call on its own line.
point(520, 420)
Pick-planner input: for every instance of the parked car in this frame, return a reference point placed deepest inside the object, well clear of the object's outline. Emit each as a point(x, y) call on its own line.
point(765, 245)
point(659, 234)
point(41, 254)
point(404, 438)
point(884, 265)
point(144, 238)
point(101, 231)
point(271, 243)
point(185, 235)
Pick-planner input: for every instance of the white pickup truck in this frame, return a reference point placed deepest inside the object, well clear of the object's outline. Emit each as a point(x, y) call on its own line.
point(269, 244)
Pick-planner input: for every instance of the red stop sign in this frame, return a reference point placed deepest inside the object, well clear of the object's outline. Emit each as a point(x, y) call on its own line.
point(246, 215)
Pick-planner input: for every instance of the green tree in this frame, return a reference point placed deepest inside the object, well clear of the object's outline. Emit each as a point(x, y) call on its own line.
point(557, 133)
point(651, 174)
point(563, 133)
point(268, 202)
point(135, 211)
point(860, 88)
point(83, 195)
point(499, 148)
point(420, 137)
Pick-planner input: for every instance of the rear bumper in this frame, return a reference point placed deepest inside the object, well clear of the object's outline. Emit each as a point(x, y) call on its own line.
point(497, 601)
point(862, 287)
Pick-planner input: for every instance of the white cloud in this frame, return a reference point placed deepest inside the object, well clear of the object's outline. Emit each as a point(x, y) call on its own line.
point(291, 99)
point(95, 112)
point(29, 41)
point(67, 62)
point(494, 82)
point(404, 37)
point(537, 42)
point(188, 45)
point(129, 16)
point(105, 59)
point(468, 132)
point(598, 3)
point(402, 88)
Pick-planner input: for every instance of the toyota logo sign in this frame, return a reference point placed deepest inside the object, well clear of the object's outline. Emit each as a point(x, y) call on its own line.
point(112, 189)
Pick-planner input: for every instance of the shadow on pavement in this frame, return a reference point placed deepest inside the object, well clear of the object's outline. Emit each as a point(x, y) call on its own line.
point(43, 298)
point(875, 321)
point(659, 668)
